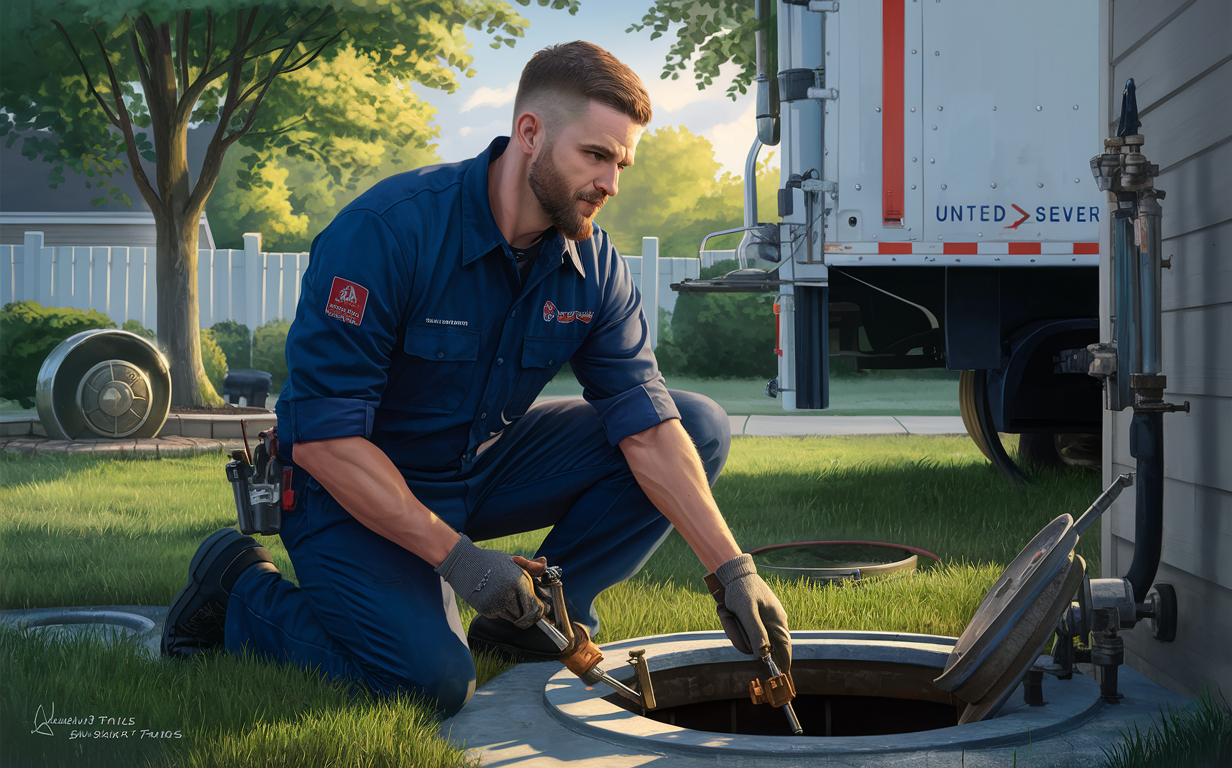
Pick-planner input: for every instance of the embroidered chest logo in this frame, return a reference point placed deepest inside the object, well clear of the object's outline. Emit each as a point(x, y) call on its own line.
point(550, 313)
point(347, 301)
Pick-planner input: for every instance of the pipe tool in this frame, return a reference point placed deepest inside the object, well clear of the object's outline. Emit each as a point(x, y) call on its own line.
point(580, 654)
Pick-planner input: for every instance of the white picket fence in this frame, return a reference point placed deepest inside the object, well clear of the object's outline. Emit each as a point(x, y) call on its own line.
point(248, 286)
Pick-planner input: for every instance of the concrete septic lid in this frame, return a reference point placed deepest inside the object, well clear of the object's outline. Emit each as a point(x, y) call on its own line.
point(138, 623)
point(586, 711)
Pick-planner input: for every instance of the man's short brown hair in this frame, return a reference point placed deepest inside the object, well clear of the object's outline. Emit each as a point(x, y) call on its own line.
point(576, 73)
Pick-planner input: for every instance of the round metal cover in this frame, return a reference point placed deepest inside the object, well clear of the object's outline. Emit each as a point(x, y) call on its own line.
point(114, 397)
point(103, 383)
point(825, 561)
point(1015, 619)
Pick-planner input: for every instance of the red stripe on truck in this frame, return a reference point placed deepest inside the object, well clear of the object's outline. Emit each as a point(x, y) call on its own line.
point(894, 248)
point(961, 249)
point(1087, 249)
point(1024, 249)
point(892, 64)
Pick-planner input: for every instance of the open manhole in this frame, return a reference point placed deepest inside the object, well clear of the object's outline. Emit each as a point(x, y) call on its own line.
point(833, 698)
point(856, 692)
point(905, 691)
point(825, 561)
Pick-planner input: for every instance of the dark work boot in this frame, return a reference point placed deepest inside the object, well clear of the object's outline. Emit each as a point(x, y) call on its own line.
point(504, 640)
point(197, 619)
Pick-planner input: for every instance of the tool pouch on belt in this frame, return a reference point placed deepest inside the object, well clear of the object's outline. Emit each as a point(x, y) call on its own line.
point(259, 487)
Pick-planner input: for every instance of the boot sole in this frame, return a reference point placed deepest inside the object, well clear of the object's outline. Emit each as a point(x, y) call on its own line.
point(207, 552)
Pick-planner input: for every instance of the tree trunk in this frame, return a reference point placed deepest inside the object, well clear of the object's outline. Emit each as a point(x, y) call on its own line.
point(178, 229)
point(178, 332)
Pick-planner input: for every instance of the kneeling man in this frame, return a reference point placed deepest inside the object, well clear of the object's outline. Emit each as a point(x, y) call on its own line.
point(434, 309)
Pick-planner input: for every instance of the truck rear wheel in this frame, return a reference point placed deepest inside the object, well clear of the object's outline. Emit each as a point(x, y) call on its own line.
point(966, 406)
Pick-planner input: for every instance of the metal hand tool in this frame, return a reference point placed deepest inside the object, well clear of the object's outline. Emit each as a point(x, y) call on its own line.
point(581, 655)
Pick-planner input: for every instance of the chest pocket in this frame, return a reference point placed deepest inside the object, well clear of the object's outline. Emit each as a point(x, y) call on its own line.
point(442, 374)
point(541, 359)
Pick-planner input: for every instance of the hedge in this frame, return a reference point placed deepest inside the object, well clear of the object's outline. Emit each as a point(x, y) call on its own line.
point(28, 333)
point(235, 340)
point(720, 335)
point(214, 360)
point(269, 350)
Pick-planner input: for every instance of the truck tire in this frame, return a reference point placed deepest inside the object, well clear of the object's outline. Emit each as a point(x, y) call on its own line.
point(966, 406)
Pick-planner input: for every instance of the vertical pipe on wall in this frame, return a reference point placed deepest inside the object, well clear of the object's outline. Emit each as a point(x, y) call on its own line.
point(1148, 262)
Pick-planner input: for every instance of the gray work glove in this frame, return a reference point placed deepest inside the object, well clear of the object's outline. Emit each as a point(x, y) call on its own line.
point(749, 612)
point(491, 583)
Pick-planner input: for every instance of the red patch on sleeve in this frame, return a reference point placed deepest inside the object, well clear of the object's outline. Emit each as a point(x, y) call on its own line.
point(347, 301)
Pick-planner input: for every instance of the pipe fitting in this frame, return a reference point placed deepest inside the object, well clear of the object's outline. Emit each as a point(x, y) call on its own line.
point(1112, 601)
point(1107, 654)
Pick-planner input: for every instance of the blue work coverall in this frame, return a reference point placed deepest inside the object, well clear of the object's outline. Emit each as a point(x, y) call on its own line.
point(415, 330)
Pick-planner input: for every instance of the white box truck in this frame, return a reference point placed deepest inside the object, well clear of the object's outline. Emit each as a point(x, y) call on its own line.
point(936, 206)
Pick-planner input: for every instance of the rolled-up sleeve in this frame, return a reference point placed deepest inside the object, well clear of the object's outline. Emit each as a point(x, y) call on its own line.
point(615, 365)
point(348, 319)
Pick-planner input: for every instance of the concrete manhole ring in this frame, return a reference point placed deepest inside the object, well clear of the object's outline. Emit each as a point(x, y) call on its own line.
point(598, 714)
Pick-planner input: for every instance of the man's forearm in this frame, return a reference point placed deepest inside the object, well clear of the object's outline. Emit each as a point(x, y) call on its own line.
point(366, 483)
point(666, 466)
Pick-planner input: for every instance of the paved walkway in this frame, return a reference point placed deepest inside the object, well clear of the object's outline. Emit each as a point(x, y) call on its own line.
point(22, 434)
point(846, 425)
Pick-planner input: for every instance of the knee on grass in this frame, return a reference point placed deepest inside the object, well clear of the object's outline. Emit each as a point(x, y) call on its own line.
point(443, 677)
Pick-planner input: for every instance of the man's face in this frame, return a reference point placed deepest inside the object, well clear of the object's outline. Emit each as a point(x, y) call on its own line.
point(578, 170)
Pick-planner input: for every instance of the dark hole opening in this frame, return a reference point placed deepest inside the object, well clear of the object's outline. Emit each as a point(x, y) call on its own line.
point(819, 715)
point(834, 698)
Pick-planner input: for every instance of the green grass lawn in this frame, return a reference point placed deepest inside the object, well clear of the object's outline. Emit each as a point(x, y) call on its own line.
point(79, 530)
point(881, 393)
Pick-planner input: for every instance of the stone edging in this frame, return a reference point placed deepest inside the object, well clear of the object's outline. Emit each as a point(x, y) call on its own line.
point(154, 447)
point(218, 427)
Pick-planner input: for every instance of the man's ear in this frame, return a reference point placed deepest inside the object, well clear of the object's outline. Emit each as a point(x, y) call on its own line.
point(529, 132)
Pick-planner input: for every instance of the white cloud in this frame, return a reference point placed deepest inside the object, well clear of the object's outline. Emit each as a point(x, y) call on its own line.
point(486, 131)
point(732, 140)
point(667, 96)
point(490, 97)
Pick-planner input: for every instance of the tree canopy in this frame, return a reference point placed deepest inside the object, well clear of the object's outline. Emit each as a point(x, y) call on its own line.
point(224, 57)
point(289, 196)
point(716, 32)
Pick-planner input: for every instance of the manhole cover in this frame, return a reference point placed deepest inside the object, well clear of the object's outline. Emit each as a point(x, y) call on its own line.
point(836, 560)
point(114, 397)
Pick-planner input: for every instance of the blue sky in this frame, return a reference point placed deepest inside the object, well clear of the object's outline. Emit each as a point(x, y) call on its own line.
point(483, 105)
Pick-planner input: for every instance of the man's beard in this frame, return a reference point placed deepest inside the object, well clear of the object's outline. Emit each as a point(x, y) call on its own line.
point(560, 205)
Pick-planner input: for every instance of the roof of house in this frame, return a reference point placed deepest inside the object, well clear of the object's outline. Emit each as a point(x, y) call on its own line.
point(24, 186)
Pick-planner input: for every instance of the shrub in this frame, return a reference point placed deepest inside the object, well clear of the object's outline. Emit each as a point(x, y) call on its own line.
point(269, 350)
point(135, 326)
point(722, 335)
point(235, 340)
point(28, 333)
point(214, 360)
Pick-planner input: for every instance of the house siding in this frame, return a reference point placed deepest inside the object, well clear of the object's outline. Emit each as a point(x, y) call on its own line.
point(133, 235)
point(1180, 56)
